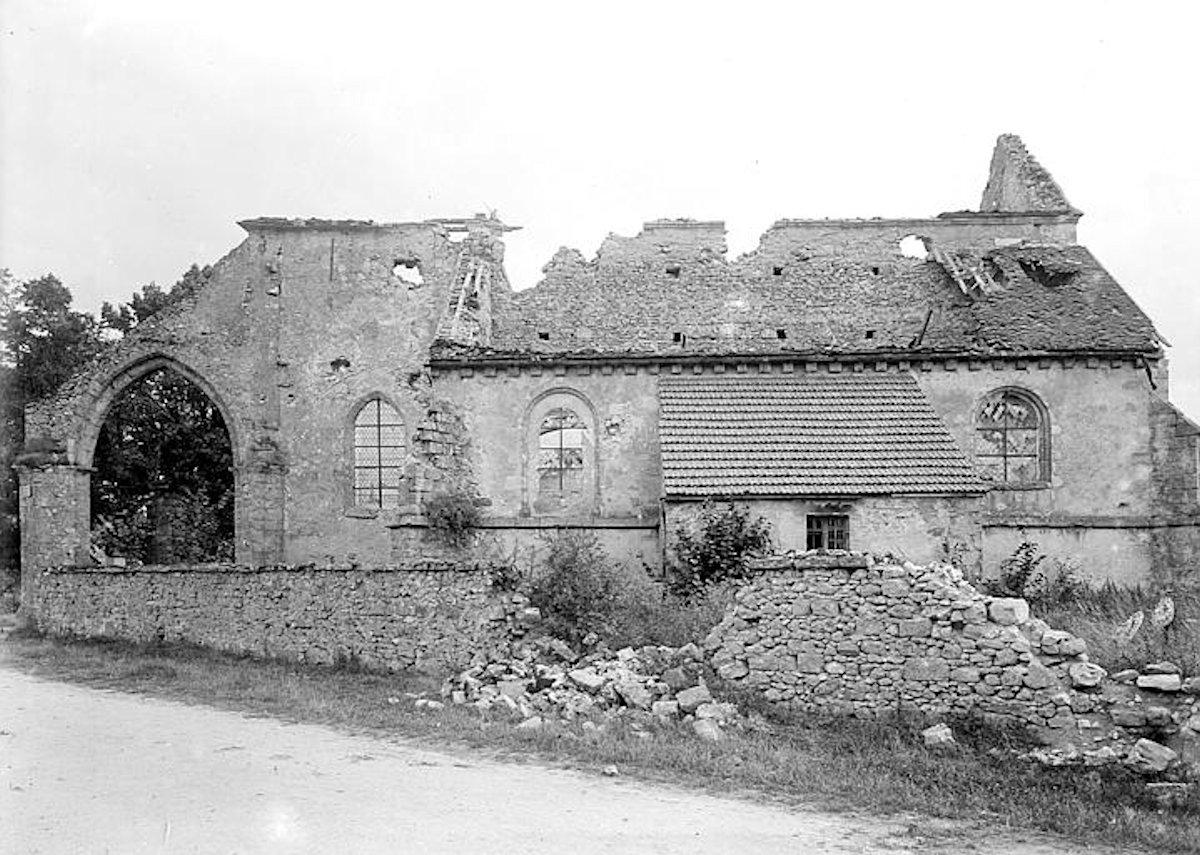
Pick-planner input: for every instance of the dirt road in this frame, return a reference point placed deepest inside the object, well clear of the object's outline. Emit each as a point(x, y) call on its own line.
point(83, 770)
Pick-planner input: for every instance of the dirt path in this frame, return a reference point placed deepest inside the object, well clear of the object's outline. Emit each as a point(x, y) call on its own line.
point(83, 770)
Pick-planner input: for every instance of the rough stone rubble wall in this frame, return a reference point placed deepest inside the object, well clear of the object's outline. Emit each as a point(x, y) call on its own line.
point(436, 618)
point(843, 634)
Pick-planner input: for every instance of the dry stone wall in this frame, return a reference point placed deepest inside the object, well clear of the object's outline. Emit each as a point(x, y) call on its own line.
point(848, 634)
point(435, 617)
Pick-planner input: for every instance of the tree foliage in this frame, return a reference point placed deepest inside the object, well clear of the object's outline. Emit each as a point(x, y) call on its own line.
point(183, 454)
point(162, 489)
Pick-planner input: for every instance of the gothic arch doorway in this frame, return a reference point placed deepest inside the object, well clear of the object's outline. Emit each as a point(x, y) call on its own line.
point(163, 467)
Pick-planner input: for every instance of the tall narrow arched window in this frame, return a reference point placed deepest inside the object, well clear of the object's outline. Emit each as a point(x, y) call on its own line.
point(378, 455)
point(561, 440)
point(1012, 439)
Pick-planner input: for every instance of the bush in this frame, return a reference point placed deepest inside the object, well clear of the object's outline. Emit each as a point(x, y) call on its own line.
point(452, 515)
point(1043, 581)
point(580, 590)
point(714, 548)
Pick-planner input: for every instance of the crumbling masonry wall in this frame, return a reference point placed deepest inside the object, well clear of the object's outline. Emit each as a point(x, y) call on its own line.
point(435, 617)
point(843, 634)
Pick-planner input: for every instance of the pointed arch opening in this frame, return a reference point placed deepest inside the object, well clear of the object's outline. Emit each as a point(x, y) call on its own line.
point(163, 471)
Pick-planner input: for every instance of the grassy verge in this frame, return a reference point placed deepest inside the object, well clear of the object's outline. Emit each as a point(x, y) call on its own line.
point(840, 764)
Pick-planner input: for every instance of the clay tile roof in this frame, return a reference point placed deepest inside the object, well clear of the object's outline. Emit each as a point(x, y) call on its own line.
point(806, 435)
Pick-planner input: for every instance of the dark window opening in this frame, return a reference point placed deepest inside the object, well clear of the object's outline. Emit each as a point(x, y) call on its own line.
point(778, 271)
point(781, 334)
point(679, 338)
point(674, 270)
point(378, 455)
point(544, 336)
point(874, 271)
point(870, 334)
point(828, 531)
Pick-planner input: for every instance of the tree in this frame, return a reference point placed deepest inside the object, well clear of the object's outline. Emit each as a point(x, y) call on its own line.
point(181, 450)
point(43, 341)
point(162, 487)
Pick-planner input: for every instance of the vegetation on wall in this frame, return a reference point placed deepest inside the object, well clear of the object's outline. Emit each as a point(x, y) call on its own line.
point(452, 514)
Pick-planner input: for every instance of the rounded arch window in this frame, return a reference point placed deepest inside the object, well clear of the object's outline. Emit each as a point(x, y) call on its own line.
point(562, 438)
point(1012, 438)
point(379, 450)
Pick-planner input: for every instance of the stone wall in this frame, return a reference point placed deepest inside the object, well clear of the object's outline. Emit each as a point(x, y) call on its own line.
point(848, 634)
point(434, 617)
point(844, 634)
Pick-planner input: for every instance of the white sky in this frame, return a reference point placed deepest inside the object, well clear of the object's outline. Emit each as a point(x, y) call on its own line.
point(135, 134)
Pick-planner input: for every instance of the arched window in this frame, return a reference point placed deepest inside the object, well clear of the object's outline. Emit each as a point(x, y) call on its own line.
point(378, 455)
point(1012, 439)
point(561, 440)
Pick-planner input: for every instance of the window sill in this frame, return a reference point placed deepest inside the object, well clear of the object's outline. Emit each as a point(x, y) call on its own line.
point(1020, 488)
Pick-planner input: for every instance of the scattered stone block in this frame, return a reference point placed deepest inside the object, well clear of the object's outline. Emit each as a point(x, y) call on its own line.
point(1085, 675)
point(665, 709)
point(939, 737)
point(1008, 611)
point(1149, 757)
point(708, 730)
point(587, 679)
point(1161, 668)
point(532, 723)
point(690, 699)
point(1160, 682)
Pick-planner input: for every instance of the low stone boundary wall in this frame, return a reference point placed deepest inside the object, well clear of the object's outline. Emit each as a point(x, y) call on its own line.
point(845, 633)
point(434, 617)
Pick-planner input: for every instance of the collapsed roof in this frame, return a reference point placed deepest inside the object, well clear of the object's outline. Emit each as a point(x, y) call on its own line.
point(1006, 280)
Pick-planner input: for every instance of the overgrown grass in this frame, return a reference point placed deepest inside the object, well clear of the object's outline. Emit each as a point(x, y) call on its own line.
point(831, 764)
point(1095, 613)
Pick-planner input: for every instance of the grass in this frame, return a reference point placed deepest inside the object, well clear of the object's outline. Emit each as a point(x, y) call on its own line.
point(841, 764)
point(1095, 613)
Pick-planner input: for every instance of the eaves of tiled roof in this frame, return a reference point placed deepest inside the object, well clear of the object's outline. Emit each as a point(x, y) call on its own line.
point(806, 435)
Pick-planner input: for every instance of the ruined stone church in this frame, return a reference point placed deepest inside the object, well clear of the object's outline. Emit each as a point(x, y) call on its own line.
point(945, 387)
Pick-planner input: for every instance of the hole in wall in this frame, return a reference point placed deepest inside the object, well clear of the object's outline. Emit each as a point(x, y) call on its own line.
point(875, 271)
point(674, 270)
point(915, 246)
point(408, 271)
point(780, 334)
point(870, 334)
point(680, 339)
point(777, 271)
point(544, 336)
point(339, 364)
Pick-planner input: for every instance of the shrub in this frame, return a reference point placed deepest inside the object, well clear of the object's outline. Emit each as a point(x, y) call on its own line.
point(580, 590)
point(714, 548)
point(576, 586)
point(452, 515)
point(1043, 581)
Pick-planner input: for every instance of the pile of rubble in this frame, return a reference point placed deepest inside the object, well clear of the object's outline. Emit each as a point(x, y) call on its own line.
point(546, 681)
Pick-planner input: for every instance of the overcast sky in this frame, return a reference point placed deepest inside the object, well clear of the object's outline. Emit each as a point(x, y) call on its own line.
point(136, 134)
